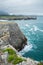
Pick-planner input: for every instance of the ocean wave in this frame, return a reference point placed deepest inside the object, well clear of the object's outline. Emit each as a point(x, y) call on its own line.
point(3, 20)
point(35, 28)
point(41, 30)
point(27, 25)
point(26, 49)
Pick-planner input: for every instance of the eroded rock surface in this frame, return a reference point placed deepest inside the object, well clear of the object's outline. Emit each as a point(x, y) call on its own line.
point(10, 33)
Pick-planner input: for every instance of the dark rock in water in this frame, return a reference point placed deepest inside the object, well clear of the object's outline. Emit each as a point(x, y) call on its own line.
point(11, 34)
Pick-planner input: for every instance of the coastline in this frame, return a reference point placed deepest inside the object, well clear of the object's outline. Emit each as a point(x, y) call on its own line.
point(17, 17)
point(29, 61)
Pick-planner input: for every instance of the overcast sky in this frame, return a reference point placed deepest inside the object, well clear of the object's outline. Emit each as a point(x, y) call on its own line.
point(26, 7)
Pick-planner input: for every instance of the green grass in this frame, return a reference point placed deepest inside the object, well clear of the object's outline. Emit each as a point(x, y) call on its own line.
point(41, 63)
point(10, 51)
point(10, 58)
point(13, 58)
point(17, 60)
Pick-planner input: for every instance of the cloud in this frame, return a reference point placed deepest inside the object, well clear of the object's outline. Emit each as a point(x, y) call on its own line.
point(22, 6)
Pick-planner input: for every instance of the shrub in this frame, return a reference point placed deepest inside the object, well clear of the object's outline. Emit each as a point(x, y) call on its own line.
point(10, 58)
point(13, 56)
point(17, 60)
point(10, 51)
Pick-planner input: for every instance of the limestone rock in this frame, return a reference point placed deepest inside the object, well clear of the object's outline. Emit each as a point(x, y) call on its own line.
point(10, 33)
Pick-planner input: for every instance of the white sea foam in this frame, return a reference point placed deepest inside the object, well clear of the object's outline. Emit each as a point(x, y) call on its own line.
point(41, 30)
point(27, 25)
point(26, 49)
point(35, 28)
point(3, 20)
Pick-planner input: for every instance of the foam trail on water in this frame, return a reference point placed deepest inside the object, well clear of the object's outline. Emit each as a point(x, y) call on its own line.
point(35, 28)
point(3, 20)
point(26, 49)
point(26, 25)
point(41, 30)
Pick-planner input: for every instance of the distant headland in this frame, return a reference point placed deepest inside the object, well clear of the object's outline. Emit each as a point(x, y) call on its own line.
point(17, 17)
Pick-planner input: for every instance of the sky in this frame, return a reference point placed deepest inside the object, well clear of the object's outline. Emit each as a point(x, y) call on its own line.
point(25, 7)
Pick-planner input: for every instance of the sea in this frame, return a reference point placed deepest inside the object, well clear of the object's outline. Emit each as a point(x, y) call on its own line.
point(33, 30)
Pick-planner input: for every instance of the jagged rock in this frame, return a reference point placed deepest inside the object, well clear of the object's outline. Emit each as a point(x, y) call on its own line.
point(11, 34)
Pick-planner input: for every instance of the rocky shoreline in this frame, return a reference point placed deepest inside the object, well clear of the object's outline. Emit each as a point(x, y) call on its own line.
point(17, 17)
point(11, 36)
point(27, 62)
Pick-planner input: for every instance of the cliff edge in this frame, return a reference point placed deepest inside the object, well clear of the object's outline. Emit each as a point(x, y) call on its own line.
point(10, 33)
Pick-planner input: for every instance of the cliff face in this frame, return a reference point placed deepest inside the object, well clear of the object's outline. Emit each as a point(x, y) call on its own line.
point(11, 34)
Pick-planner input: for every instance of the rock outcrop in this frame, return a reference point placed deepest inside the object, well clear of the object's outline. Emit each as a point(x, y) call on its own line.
point(17, 17)
point(11, 34)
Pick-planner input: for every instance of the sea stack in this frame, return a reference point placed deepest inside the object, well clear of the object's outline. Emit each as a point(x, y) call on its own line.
point(10, 33)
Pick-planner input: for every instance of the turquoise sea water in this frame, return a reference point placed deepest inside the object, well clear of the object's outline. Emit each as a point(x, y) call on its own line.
point(33, 30)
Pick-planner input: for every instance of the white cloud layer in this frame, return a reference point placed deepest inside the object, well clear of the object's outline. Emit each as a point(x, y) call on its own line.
point(22, 6)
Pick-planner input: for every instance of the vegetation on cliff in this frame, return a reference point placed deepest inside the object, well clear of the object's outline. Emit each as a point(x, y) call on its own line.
point(41, 63)
point(13, 57)
point(17, 17)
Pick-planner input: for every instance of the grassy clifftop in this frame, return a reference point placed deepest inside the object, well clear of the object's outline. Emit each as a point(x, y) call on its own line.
point(18, 17)
point(13, 57)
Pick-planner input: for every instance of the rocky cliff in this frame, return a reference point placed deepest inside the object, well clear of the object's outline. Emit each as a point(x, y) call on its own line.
point(10, 33)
